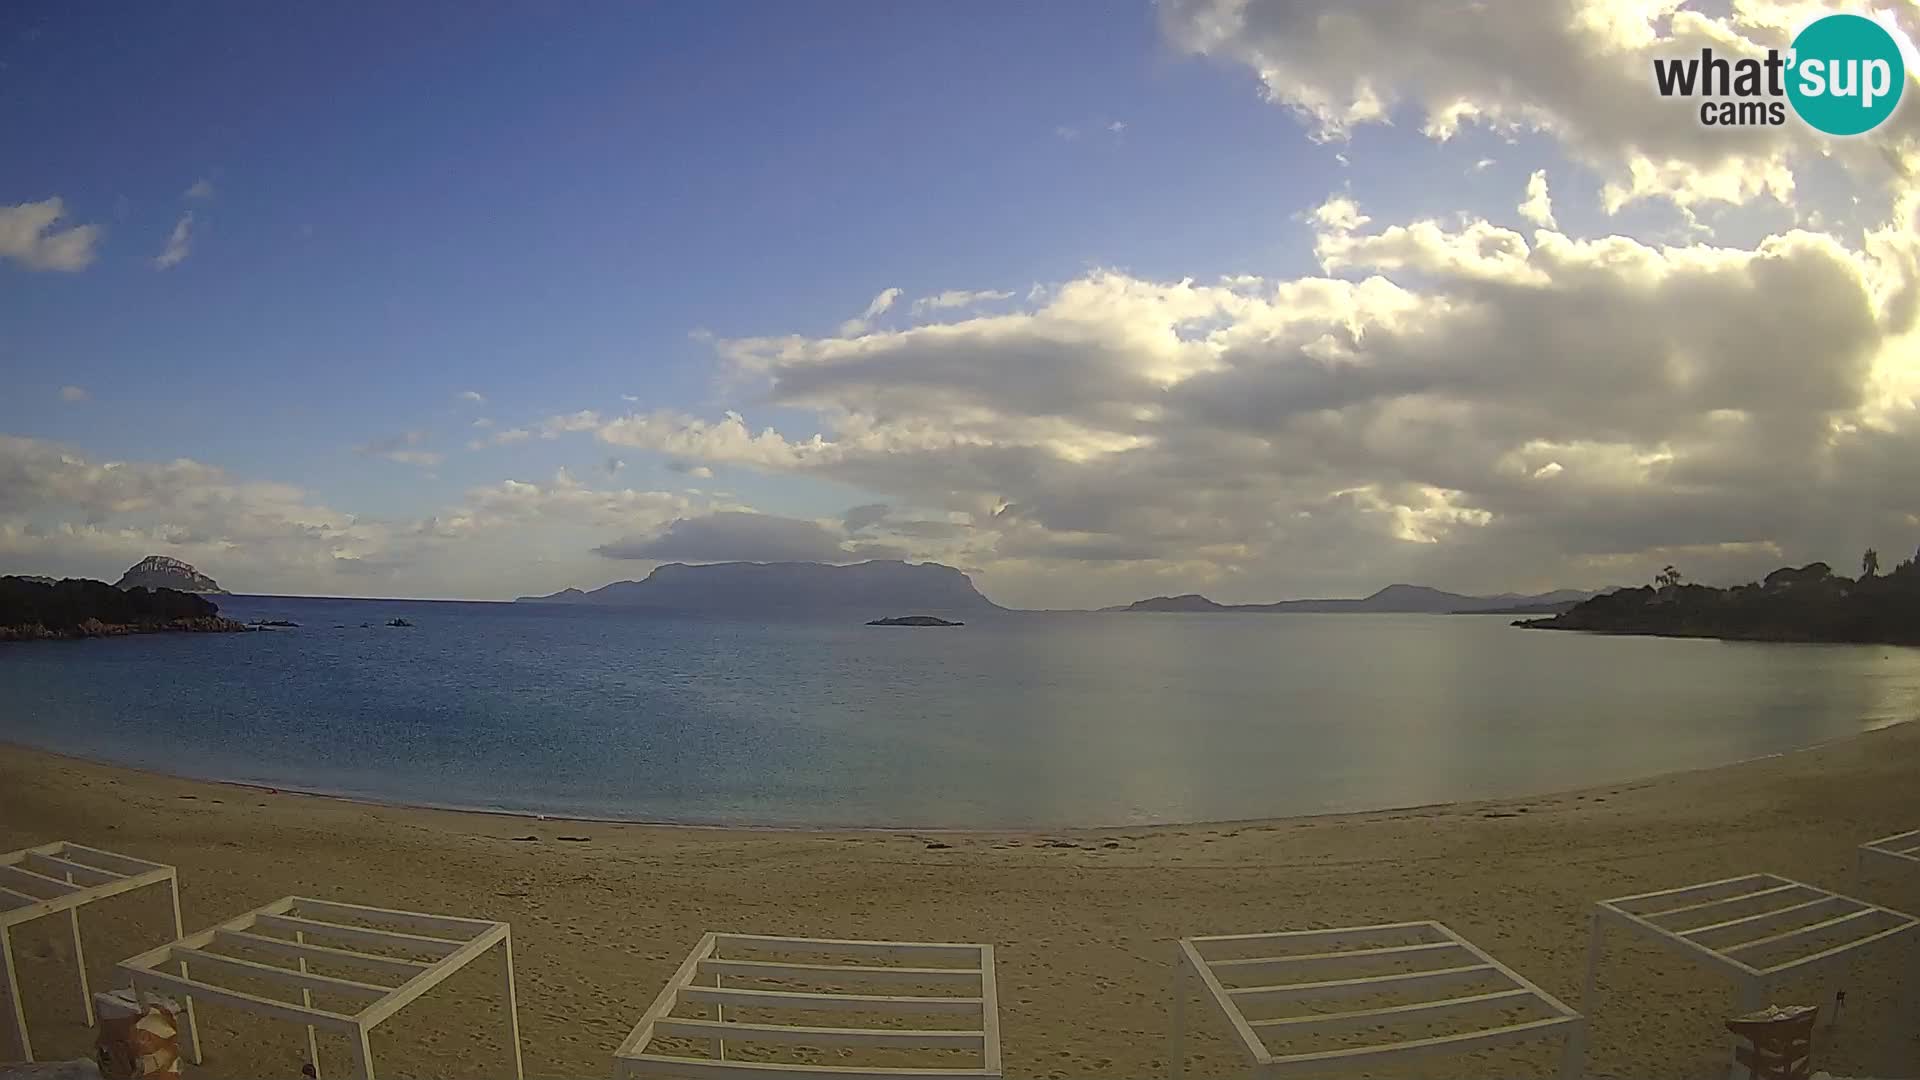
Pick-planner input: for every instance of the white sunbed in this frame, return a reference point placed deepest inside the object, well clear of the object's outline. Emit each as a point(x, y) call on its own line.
point(415, 953)
point(1899, 851)
point(730, 973)
point(1757, 929)
point(64, 877)
point(1431, 974)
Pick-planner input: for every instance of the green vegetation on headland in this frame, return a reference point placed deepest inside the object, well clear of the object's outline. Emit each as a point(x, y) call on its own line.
point(78, 608)
point(1808, 603)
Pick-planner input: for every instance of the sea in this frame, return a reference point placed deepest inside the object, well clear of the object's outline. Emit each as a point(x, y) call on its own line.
point(1017, 721)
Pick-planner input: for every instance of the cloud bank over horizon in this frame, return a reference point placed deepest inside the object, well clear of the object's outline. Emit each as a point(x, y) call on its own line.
point(1659, 346)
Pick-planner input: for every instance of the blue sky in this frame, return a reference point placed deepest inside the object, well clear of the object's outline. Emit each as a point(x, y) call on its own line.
point(391, 206)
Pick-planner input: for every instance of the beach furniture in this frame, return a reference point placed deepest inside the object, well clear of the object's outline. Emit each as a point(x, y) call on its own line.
point(752, 986)
point(1421, 989)
point(1780, 1041)
point(1899, 851)
point(1757, 929)
point(61, 878)
point(372, 961)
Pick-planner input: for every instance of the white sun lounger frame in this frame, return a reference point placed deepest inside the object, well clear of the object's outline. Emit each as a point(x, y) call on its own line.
point(1644, 913)
point(64, 877)
point(1461, 959)
point(453, 943)
point(632, 1058)
point(1900, 849)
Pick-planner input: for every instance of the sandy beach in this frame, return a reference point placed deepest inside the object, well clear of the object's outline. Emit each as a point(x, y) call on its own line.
point(1084, 921)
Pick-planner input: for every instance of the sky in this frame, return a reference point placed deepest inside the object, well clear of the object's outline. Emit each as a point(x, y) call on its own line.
point(1095, 301)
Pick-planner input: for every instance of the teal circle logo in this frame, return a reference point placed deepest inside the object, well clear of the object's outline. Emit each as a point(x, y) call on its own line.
point(1845, 74)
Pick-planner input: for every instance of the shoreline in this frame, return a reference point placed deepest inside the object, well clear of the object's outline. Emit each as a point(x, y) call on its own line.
point(1083, 920)
point(945, 830)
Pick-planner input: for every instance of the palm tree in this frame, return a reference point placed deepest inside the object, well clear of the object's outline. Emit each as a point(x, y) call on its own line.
point(1869, 563)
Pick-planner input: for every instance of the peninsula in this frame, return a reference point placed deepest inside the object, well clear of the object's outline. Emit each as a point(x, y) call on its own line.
point(1806, 603)
point(79, 608)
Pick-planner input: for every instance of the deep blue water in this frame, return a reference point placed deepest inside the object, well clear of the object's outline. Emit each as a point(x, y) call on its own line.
point(1018, 720)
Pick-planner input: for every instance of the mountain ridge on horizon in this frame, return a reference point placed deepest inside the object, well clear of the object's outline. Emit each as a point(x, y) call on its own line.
point(884, 587)
point(1398, 598)
point(898, 586)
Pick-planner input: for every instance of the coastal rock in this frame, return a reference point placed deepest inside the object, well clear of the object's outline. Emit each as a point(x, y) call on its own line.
point(79, 608)
point(913, 620)
point(161, 572)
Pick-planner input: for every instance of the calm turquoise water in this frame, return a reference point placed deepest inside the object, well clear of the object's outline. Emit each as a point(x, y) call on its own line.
point(1011, 721)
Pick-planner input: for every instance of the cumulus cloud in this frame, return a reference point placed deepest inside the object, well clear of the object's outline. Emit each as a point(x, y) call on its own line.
point(30, 237)
point(179, 244)
point(735, 536)
point(201, 189)
point(471, 397)
point(1577, 70)
point(1537, 207)
point(74, 393)
point(1446, 400)
point(66, 512)
point(62, 512)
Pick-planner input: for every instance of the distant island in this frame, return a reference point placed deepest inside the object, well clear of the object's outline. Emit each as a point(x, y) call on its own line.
point(868, 589)
point(1398, 599)
point(913, 620)
point(1806, 603)
point(32, 610)
point(161, 572)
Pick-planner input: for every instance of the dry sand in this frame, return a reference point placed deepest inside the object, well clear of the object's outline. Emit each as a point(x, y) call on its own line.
point(1084, 921)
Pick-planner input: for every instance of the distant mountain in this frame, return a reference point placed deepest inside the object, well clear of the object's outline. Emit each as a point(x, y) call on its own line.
point(37, 579)
point(1183, 602)
point(1404, 599)
point(868, 589)
point(160, 572)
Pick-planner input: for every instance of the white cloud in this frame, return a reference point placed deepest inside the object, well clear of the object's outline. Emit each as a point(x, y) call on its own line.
point(74, 393)
point(1065, 133)
point(1537, 207)
point(1118, 127)
point(958, 298)
point(877, 307)
point(201, 189)
point(1580, 71)
point(471, 397)
point(29, 237)
point(1448, 401)
point(179, 244)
